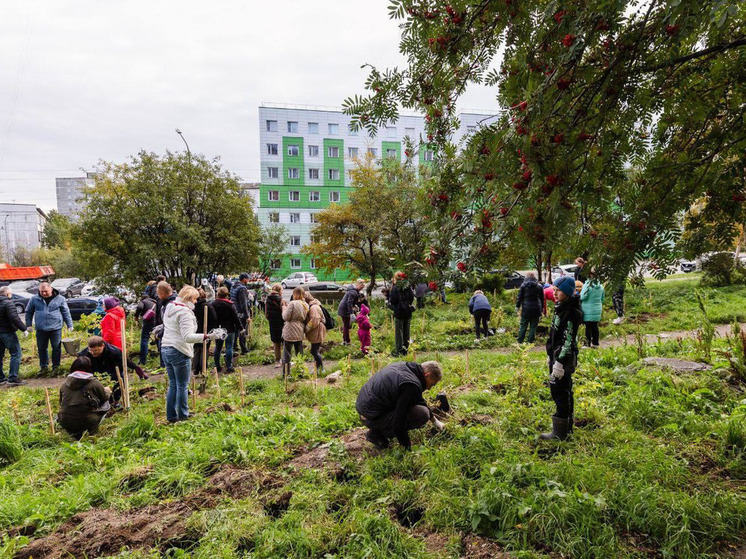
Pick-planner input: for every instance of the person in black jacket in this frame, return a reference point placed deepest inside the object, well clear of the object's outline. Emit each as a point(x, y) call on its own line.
point(240, 298)
point(212, 322)
point(562, 352)
point(580, 273)
point(106, 358)
point(390, 404)
point(273, 312)
point(347, 307)
point(530, 303)
point(227, 318)
point(145, 312)
point(9, 323)
point(401, 298)
point(166, 296)
point(83, 400)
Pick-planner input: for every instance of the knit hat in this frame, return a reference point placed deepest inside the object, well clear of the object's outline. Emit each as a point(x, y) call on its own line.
point(566, 285)
point(110, 303)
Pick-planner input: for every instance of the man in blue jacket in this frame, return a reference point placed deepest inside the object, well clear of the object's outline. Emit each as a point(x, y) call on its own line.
point(48, 311)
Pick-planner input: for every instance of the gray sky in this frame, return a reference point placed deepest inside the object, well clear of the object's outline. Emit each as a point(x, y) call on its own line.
point(85, 80)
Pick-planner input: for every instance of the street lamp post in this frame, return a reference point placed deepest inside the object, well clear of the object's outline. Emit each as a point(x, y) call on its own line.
point(189, 158)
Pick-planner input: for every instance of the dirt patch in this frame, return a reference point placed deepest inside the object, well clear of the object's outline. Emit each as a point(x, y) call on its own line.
point(223, 406)
point(477, 547)
point(435, 543)
point(98, 531)
point(355, 445)
point(476, 419)
point(276, 506)
point(407, 515)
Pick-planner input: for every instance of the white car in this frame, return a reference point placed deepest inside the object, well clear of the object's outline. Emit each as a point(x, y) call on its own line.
point(563, 270)
point(298, 278)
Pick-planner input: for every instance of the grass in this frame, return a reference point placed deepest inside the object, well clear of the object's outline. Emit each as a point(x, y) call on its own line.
point(657, 467)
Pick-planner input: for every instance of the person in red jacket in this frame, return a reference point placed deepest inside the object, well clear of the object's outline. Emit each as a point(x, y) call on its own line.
point(363, 328)
point(111, 323)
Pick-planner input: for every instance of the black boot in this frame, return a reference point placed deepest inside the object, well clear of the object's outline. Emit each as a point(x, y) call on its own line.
point(377, 440)
point(560, 427)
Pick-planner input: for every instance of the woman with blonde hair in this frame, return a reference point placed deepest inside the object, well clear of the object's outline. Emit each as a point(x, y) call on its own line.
point(294, 330)
point(315, 330)
point(179, 335)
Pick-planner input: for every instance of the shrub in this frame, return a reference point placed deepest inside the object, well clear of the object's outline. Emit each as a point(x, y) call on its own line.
point(491, 283)
point(722, 269)
point(10, 443)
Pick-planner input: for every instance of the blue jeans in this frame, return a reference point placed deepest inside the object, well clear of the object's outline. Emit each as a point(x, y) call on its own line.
point(10, 342)
point(229, 341)
point(44, 338)
point(179, 369)
point(147, 328)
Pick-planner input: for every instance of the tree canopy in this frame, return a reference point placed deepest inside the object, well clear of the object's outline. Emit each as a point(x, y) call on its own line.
point(614, 117)
point(178, 214)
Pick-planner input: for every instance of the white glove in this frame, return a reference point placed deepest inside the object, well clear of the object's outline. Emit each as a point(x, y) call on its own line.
point(25, 333)
point(439, 425)
point(218, 334)
point(558, 370)
point(29, 329)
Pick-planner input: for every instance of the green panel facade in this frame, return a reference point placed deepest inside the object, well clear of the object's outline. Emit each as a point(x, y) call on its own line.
point(334, 163)
point(306, 200)
point(385, 146)
point(292, 161)
point(423, 149)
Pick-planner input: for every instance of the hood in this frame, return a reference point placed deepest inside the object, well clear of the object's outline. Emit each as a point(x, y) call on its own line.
point(351, 287)
point(178, 306)
point(118, 312)
point(78, 380)
point(364, 310)
point(528, 280)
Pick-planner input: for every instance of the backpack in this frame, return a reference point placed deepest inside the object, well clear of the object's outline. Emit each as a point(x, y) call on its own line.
point(329, 321)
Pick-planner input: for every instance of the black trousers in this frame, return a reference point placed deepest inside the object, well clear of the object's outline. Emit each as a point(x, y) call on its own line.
point(242, 337)
point(618, 300)
point(316, 353)
point(482, 318)
point(286, 359)
point(384, 425)
point(561, 391)
point(591, 333)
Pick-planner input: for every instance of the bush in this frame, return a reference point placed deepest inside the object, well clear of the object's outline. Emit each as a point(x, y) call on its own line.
point(721, 269)
point(491, 283)
point(10, 442)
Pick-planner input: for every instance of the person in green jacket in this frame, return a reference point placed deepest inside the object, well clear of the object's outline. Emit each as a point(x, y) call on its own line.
point(592, 302)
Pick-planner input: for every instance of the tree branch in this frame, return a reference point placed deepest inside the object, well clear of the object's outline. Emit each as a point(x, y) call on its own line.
point(699, 54)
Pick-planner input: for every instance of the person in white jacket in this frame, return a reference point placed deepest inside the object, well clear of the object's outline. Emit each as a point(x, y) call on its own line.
point(179, 333)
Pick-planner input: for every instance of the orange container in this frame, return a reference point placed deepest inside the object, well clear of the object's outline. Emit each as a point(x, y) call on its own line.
point(12, 273)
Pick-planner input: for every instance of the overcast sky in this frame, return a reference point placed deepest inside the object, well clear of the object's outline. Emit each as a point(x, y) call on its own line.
point(86, 80)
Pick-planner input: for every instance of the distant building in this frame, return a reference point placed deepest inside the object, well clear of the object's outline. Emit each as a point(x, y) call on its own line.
point(70, 195)
point(251, 189)
point(21, 226)
point(306, 156)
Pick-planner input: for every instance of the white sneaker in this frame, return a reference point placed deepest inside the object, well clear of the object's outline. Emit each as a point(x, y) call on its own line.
point(618, 320)
point(477, 340)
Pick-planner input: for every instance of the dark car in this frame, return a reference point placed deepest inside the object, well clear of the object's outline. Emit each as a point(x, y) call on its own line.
point(29, 286)
point(20, 300)
point(81, 305)
point(688, 266)
point(513, 280)
point(325, 291)
point(69, 287)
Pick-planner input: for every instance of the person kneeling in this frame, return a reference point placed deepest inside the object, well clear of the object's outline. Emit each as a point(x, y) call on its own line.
point(390, 404)
point(83, 400)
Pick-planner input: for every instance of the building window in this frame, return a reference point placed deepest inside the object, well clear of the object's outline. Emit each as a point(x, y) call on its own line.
point(333, 174)
point(313, 217)
point(294, 218)
point(373, 152)
point(293, 151)
point(313, 174)
point(275, 264)
point(409, 132)
point(273, 195)
point(351, 131)
point(312, 265)
point(314, 196)
point(333, 152)
point(271, 149)
point(333, 129)
point(273, 172)
point(313, 127)
point(313, 151)
point(295, 241)
point(391, 153)
point(391, 132)
point(428, 155)
point(292, 127)
point(271, 126)
point(294, 195)
point(293, 173)
point(352, 153)
point(470, 129)
point(295, 263)
point(274, 217)
point(334, 196)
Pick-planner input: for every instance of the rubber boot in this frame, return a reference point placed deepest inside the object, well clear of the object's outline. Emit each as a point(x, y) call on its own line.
point(560, 427)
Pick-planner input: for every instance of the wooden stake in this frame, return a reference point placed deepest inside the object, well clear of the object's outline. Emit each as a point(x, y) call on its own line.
point(33, 343)
point(204, 344)
point(240, 384)
point(217, 381)
point(121, 386)
point(49, 411)
point(467, 362)
point(414, 356)
point(423, 322)
point(194, 394)
point(125, 378)
point(349, 365)
point(251, 328)
point(315, 379)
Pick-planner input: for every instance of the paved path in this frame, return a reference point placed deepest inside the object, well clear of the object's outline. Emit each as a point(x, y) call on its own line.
point(263, 372)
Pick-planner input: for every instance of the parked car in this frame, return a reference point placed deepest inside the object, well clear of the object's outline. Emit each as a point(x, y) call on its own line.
point(325, 291)
point(563, 270)
point(89, 289)
point(29, 286)
point(92, 289)
point(20, 300)
point(513, 280)
point(298, 278)
point(688, 266)
point(69, 287)
point(81, 305)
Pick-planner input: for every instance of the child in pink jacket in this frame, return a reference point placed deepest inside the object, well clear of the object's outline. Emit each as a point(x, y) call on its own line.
point(363, 328)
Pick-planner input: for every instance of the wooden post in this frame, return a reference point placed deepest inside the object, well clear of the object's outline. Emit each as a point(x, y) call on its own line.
point(49, 411)
point(217, 381)
point(33, 343)
point(194, 394)
point(121, 386)
point(467, 363)
point(315, 379)
point(423, 322)
point(240, 384)
point(125, 377)
point(349, 365)
point(414, 356)
point(251, 328)
point(204, 343)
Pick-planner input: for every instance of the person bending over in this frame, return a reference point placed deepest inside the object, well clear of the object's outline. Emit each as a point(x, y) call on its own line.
point(83, 400)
